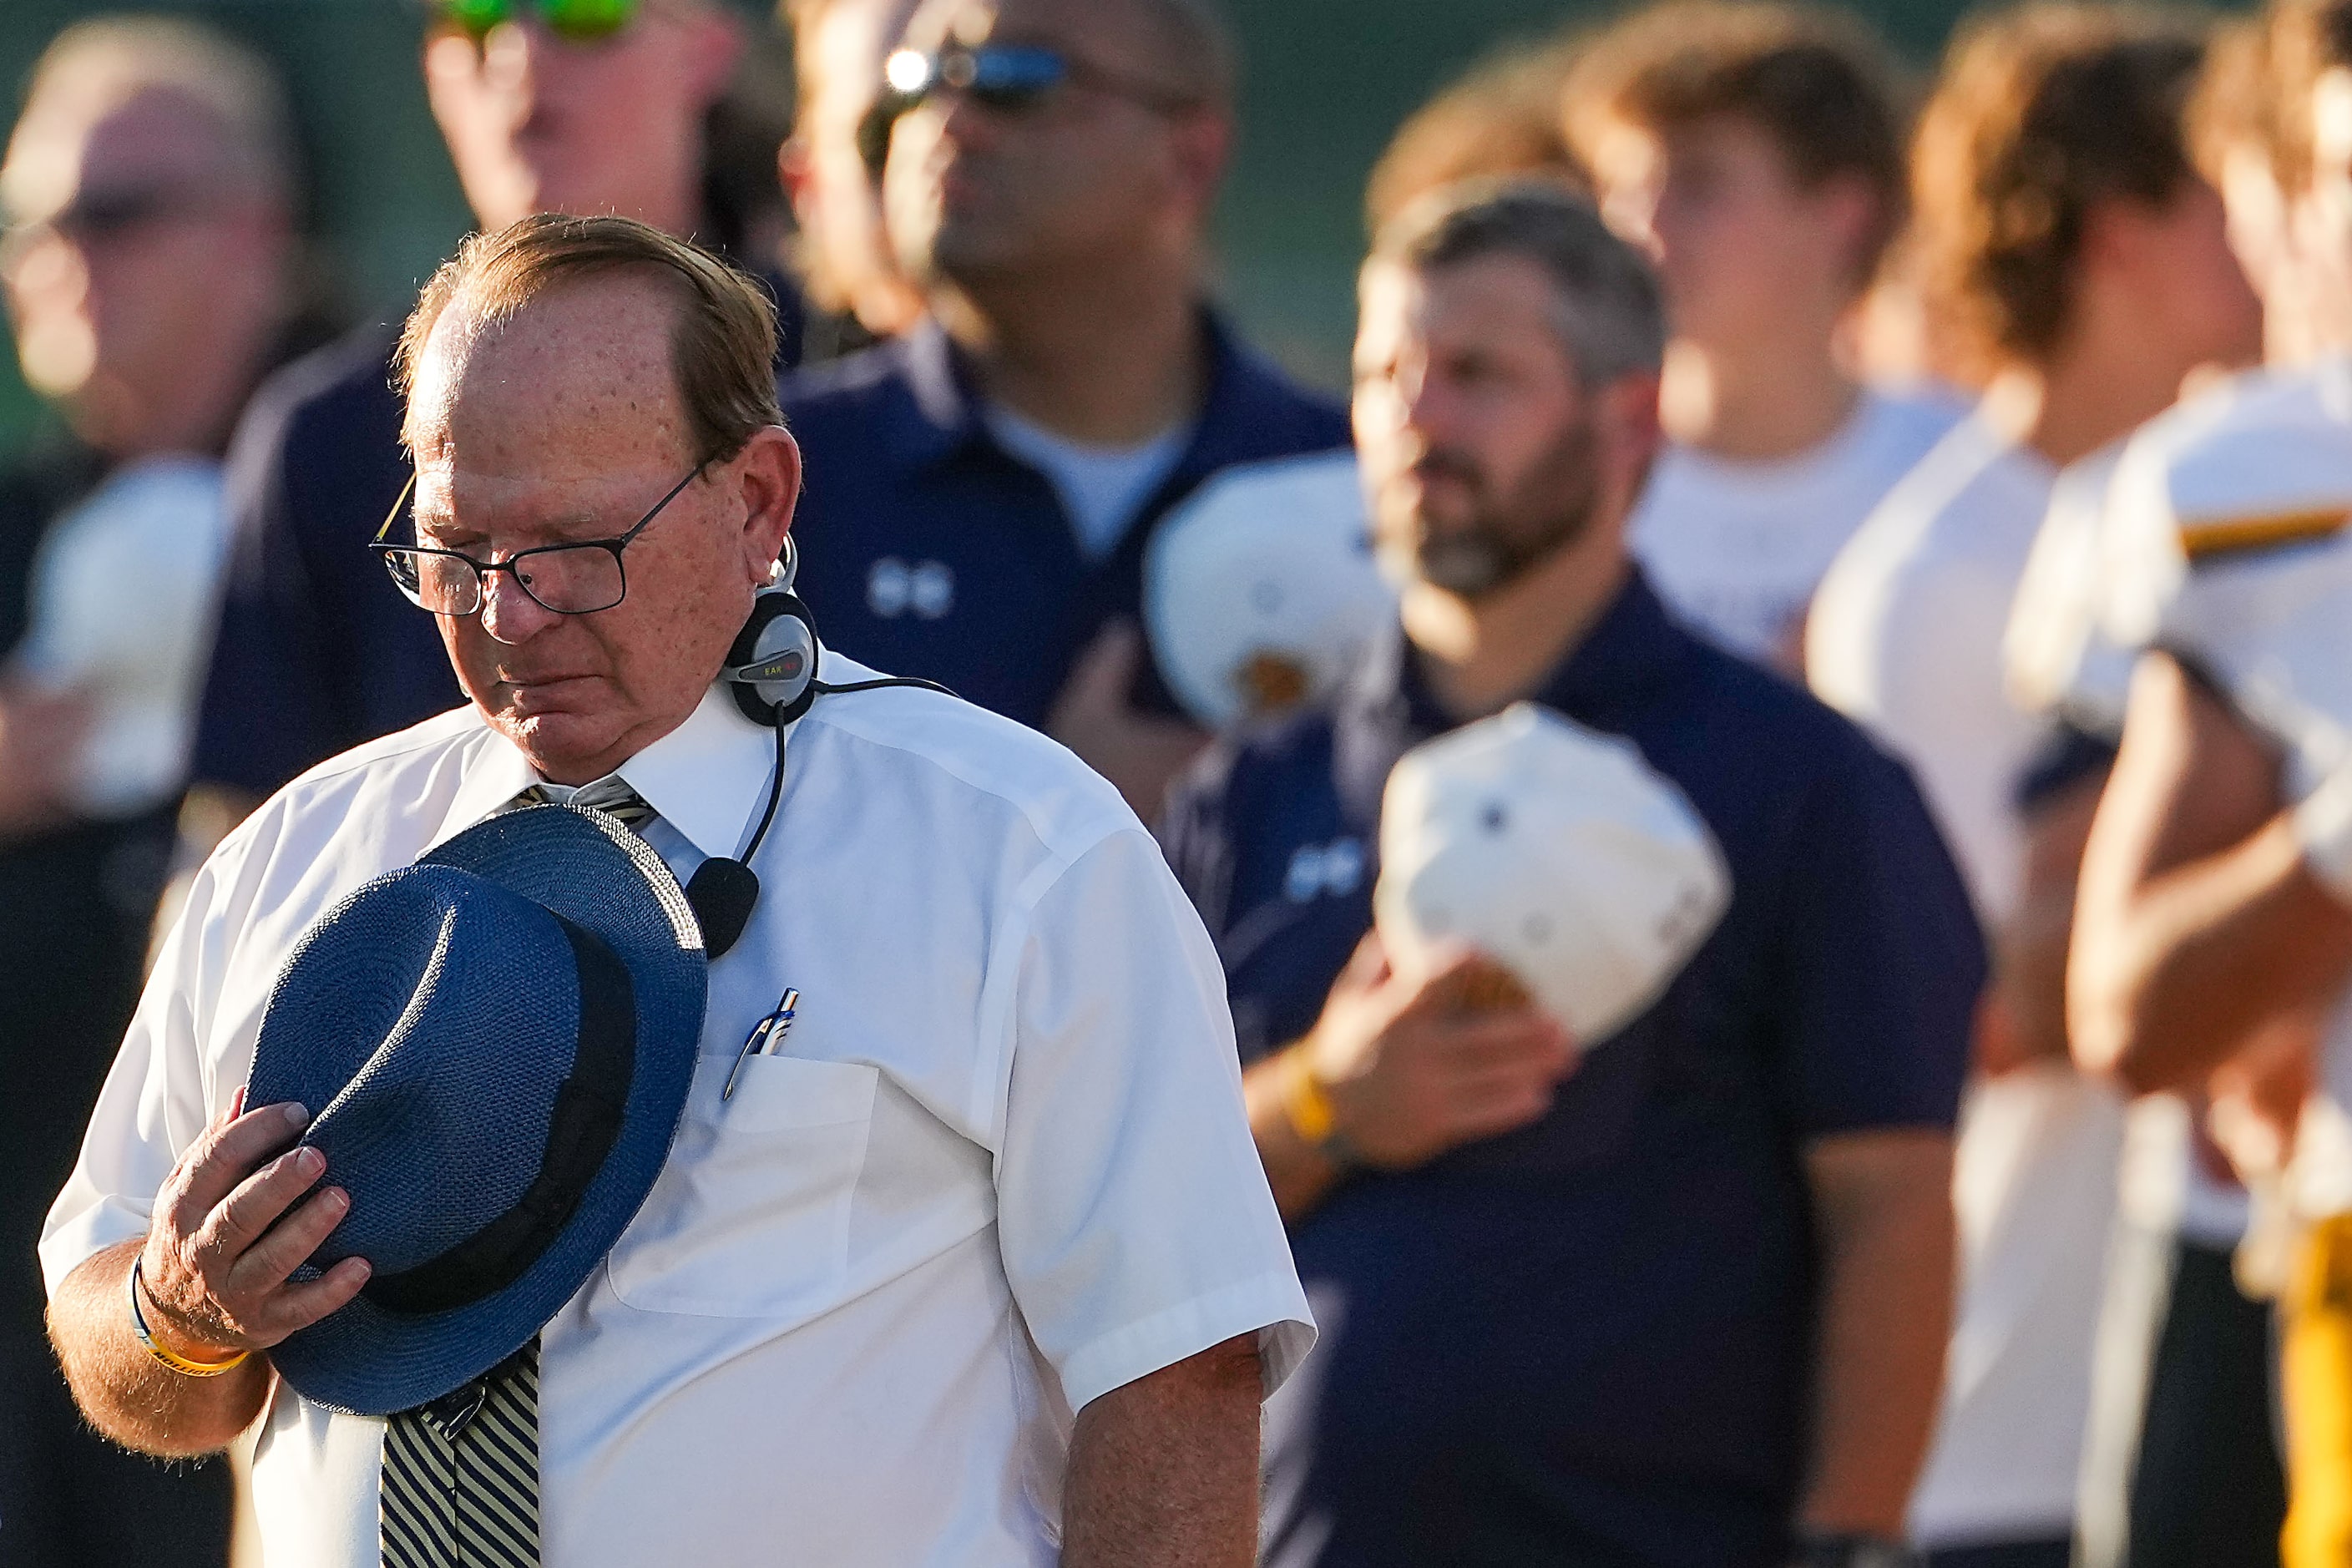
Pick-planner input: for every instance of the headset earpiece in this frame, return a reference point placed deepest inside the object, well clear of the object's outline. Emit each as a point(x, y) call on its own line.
point(772, 669)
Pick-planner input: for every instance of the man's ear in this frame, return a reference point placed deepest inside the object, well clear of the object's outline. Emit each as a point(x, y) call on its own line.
point(1853, 211)
point(794, 172)
point(769, 470)
point(1203, 146)
point(1631, 408)
point(1628, 419)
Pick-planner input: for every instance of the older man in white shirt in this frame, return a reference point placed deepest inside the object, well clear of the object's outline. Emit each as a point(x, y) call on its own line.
point(978, 1267)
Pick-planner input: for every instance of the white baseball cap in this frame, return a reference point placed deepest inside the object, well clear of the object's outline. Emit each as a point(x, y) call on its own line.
point(124, 594)
point(1260, 591)
point(1555, 850)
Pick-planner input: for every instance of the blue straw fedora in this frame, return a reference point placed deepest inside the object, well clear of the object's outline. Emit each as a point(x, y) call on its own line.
point(495, 1044)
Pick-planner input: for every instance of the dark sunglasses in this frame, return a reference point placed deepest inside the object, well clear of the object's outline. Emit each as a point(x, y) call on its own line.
point(1010, 78)
point(98, 217)
point(580, 21)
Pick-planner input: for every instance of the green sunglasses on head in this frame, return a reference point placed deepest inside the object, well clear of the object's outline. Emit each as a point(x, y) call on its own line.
point(581, 21)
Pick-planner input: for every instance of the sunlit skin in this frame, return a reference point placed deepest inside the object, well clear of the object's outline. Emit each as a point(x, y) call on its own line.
point(1759, 269)
point(1475, 435)
point(563, 425)
point(538, 123)
point(1739, 241)
point(2200, 293)
point(971, 190)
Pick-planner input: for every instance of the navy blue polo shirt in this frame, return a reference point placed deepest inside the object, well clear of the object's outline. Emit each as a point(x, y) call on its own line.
point(928, 550)
point(1587, 1342)
point(315, 650)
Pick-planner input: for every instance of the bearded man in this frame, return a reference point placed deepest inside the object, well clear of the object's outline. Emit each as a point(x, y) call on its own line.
point(1676, 1295)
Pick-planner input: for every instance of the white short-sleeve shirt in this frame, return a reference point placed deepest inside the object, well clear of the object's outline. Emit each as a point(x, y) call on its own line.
point(1001, 1166)
point(1905, 638)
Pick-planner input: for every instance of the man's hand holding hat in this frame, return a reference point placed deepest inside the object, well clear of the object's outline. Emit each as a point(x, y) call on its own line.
point(230, 1228)
point(1409, 1067)
point(1581, 871)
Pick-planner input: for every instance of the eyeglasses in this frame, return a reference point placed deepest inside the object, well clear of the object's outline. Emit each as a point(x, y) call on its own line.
point(579, 21)
point(570, 579)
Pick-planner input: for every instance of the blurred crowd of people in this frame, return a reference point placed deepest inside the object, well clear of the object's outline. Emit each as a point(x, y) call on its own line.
point(1979, 1185)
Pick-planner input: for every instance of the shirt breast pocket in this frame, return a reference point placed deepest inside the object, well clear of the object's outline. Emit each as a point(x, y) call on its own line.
point(750, 1216)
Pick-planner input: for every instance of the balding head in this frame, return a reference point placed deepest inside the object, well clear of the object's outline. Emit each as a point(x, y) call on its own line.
point(562, 376)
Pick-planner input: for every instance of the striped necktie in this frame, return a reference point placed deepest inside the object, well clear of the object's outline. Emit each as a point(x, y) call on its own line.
point(460, 1485)
point(461, 1481)
point(609, 795)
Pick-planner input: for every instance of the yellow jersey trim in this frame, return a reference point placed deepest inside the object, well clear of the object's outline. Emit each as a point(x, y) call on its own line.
point(2262, 531)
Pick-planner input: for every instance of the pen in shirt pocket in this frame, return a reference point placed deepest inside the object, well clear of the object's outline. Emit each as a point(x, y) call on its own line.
point(767, 1036)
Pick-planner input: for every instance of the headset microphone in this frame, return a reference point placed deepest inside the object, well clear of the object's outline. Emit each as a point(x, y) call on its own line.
point(772, 671)
point(772, 667)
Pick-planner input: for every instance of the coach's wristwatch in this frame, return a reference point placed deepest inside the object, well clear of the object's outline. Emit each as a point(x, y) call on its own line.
point(1851, 1551)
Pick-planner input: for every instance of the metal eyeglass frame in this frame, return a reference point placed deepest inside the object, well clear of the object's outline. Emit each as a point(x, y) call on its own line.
point(482, 569)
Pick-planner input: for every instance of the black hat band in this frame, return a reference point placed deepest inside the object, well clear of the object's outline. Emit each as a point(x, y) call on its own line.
point(580, 1134)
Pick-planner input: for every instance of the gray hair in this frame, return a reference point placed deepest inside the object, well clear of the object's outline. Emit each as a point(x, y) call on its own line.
point(1609, 314)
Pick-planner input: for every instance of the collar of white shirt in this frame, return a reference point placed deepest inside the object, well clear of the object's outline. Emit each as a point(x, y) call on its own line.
point(704, 777)
point(998, 1167)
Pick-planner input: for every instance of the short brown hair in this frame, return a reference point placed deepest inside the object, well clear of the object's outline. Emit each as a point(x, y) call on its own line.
point(1819, 85)
point(722, 346)
point(1610, 317)
point(2229, 109)
point(1501, 117)
point(2043, 113)
point(2293, 44)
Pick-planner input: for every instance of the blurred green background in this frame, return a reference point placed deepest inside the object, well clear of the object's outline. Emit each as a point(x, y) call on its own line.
point(1326, 83)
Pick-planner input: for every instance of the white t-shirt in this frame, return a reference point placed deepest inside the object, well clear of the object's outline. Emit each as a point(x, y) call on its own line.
point(1101, 487)
point(1905, 636)
point(1738, 548)
point(1001, 1166)
point(1908, 637)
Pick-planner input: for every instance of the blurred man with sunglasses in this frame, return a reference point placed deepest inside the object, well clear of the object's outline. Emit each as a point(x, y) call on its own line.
point(149, 266)
point(577, 105)
point(993, 478)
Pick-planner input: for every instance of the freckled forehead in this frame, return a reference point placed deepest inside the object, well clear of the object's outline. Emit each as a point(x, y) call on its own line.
point(578, 380)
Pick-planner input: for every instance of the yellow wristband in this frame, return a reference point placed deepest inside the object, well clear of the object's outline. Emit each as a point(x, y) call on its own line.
point(178, 1363)
point(1305, 1105)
